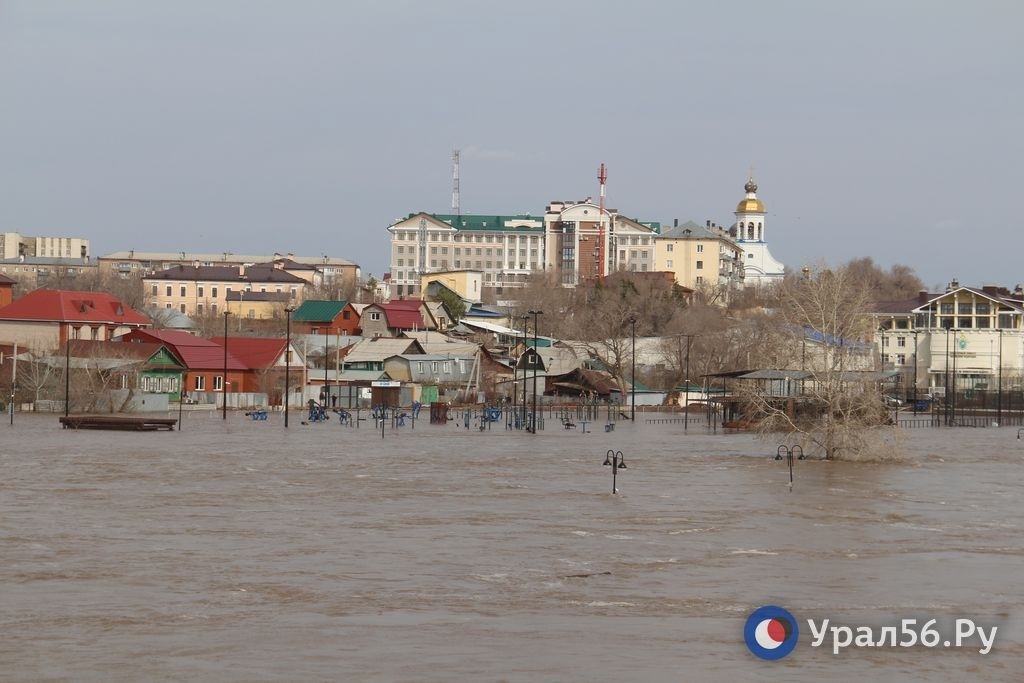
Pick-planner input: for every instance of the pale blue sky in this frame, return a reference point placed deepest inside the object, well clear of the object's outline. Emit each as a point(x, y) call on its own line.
point(882, 129)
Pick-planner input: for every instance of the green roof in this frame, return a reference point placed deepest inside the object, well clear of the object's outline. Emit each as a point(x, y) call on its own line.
point(314, 311)
point(475, 222)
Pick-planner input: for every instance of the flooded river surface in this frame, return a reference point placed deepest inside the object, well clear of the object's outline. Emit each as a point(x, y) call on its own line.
point(238, 550)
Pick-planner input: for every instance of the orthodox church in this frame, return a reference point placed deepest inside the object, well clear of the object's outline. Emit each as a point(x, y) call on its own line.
point(760, 267)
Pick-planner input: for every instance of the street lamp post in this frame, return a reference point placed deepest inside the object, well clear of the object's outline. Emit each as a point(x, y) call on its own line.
point(525, 331)
point(67, 373)
point(952, 411)
point(616, 461)
point(224, 380)
point(686, 403)
point(287, 361)
point(327, 386)
point(915, 372)
point(632, 378)
point(999, 386)
point(536, 358)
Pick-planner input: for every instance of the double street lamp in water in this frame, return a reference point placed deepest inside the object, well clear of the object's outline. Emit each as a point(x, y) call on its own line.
point(616, 461)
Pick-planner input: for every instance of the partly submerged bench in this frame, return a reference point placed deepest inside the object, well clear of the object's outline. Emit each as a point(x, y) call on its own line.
point(119, 422)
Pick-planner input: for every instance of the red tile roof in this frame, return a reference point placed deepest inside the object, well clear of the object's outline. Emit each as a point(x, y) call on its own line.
point(257, 353)
point(138, 351)
point(196, 352)
point(56, 305)
point(405, 314)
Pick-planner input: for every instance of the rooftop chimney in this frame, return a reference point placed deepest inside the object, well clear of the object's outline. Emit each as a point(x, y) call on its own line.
point(922, 296)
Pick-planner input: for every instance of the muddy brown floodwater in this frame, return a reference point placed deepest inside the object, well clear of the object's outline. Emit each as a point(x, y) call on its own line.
point(238, 550)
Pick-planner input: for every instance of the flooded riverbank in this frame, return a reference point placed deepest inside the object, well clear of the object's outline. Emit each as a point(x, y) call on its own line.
point(238, 550)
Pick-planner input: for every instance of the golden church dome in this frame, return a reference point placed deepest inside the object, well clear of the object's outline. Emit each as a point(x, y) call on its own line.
point(750, 206)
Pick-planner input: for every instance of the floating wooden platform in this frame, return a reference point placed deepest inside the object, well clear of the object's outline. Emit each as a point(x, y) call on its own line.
point(121, 422)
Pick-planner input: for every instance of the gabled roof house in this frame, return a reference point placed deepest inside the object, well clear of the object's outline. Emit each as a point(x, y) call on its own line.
point(46, 318)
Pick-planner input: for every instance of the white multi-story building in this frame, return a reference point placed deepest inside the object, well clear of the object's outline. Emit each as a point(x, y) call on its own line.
point(14, 245)
point(505, 249)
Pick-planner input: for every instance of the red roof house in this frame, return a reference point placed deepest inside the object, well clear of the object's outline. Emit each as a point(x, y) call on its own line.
point(395, 317)
point(204, 359)
point(46, 318)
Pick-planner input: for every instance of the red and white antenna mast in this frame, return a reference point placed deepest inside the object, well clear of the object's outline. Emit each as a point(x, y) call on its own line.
point(456, 208)
point(602, 176)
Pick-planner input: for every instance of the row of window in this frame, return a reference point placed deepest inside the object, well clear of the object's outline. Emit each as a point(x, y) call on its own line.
point(497, 277)
point(413, 236)
point(444, 367)
point(668, 264)
point(901, 358)
point(159, 384)
point(671, 247)
point(201, 291)
point(443, 251)
point(978, 308)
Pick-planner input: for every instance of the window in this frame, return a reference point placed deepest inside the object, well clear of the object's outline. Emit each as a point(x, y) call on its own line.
point(901, 359)
point(200, 290)
point(668, 247)
point(885, 358)
point(982, 308)
point(700, 279)
point(885, 342)
point(700, 248)
point(168, 290)
point(447, 367)
point(214, 292)
point(901, 342)
point(433, 367)
point(181, 307)
point(700, 265)
point(154, 290)
point(199, 309)
point(182, 290)
point(374, 315)
point(668, 263)
point(422, 367)
point(964, 309)
point(218, 383)
point(94, 333)
point(200, 384)
point(965, 322)
point(946, 309)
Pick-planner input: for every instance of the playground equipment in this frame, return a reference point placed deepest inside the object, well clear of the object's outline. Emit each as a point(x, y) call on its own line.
point(317, 413)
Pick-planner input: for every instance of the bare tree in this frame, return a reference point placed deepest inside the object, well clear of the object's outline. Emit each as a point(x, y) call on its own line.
point(36, 374)
point(835, 409)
